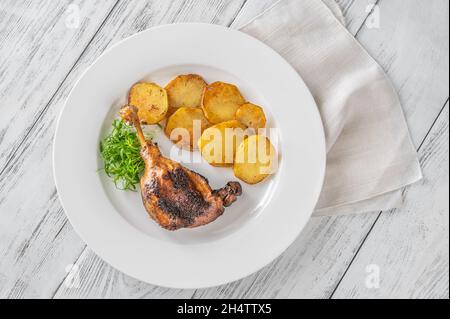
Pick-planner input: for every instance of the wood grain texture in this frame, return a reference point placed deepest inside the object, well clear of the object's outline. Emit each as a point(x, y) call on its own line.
point(410, 245)
point(356, 13)
point(36, 242)
point(37, 50)
point(93, 278)
point(414, 55)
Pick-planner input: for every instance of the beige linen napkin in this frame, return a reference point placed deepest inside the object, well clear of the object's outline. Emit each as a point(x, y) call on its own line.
point(370, 156)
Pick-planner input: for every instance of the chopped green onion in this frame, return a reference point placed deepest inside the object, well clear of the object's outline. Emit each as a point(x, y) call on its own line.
point(121, 156)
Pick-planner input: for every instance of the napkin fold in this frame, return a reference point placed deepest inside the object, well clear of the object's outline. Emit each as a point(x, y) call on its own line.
point(370, 155)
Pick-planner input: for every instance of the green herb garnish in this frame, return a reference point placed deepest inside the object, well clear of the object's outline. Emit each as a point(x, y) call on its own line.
point(120, 152)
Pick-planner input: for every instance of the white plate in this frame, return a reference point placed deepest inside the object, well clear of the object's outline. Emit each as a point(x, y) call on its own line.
point(251, 233)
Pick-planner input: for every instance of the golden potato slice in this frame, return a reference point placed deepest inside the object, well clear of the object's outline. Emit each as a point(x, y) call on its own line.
point(221, 101)
point(256, 158)
point(151, 101)
point(219, 142)
point(185, 91)
point(251, 115)
point(185, 126)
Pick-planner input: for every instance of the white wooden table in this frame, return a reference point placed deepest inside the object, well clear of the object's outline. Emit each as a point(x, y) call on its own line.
point(43, 50)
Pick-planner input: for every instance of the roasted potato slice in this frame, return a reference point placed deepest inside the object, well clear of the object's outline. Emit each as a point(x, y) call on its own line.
point(185, 126)
point(256, 158)
point(151, 101)
point(219, 142)
point(251, 115)
point(185, 91)
point(221, 101)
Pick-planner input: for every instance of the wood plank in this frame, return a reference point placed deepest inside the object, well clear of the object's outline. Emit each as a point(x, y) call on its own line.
point(409, 247)
point(36, 242)
point(37, 50)
point(412, 46)
point(93, 278)
point(356, 13)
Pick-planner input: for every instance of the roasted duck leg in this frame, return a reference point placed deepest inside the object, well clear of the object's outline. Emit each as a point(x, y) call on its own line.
point(174, 196)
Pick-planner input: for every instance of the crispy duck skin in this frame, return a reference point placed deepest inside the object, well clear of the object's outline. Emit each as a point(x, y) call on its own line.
point(174, 196)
